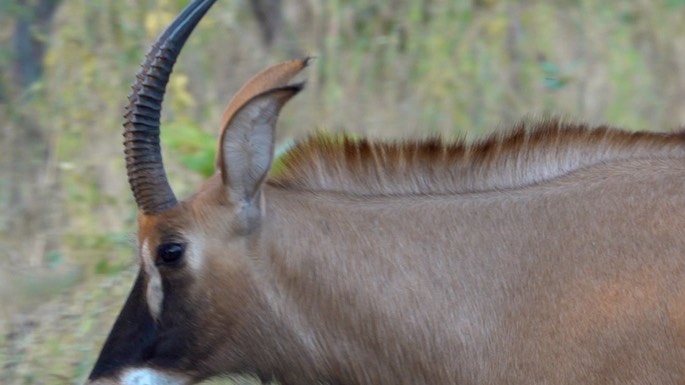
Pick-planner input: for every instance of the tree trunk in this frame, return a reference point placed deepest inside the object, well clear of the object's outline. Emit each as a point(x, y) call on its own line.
point(29, 39)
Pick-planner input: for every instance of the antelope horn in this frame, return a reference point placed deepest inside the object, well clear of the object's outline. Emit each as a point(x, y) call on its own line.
point(144, 164)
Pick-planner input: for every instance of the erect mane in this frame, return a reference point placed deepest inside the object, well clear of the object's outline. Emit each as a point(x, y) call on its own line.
point(521, 157)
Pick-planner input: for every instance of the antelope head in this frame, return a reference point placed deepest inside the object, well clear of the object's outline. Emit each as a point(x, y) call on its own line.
point(172, 329)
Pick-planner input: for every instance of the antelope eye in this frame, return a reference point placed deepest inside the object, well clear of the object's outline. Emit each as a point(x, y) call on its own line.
point(170, 253)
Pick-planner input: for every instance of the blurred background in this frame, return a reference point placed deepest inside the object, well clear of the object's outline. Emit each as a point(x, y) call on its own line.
point(384, 68)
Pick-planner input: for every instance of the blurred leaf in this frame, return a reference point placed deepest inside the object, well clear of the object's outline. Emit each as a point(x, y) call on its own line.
point(106, 267)
point(156, 21)
point(102, 266)
point(549, 68)
point(675, 3)
point(54, 258)
point(278, 166)
point(195, 148)
point(554, 77)
point(178, 87)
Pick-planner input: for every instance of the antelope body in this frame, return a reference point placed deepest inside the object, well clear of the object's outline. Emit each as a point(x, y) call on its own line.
point(551, 255)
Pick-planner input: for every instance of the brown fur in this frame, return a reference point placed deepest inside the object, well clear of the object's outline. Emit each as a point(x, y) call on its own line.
point(551, 255)
point(575, 279)
point(554, 254)
point(525, 155)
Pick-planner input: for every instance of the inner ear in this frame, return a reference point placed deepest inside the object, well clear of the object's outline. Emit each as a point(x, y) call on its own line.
point(247, 147)
point(278, 75)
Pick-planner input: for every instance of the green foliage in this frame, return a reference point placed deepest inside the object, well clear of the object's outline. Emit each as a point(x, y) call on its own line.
point(193, 147)
point(675, 4)
point(101, 253)
point(106, 267)
point(54, 258)
point(554, 77)
point(278, 166)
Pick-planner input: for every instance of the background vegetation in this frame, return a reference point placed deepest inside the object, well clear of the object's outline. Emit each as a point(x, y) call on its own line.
point(384, 68)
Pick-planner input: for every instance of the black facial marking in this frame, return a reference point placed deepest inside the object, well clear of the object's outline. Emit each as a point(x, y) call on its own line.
point(138, 340)
point(133, 337)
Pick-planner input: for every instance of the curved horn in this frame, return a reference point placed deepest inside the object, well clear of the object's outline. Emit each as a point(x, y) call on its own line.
point(144, 164)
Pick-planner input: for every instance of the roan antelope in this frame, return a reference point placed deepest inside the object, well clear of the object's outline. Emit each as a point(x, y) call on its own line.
point(551, 255)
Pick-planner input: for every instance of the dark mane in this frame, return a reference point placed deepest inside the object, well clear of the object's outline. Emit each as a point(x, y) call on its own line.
point(525, 155)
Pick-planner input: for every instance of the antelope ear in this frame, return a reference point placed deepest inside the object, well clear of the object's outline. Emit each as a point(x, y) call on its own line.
point(247, 147)
point(273, 77)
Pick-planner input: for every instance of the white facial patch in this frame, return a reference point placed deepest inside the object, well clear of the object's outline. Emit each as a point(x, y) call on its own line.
point(146, 376)
point(194, 252)
point(154, 293)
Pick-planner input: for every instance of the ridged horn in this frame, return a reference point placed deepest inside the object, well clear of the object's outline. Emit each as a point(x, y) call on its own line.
point(144, 164)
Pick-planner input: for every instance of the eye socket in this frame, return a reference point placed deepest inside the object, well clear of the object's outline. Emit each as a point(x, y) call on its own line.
point(170, 253)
